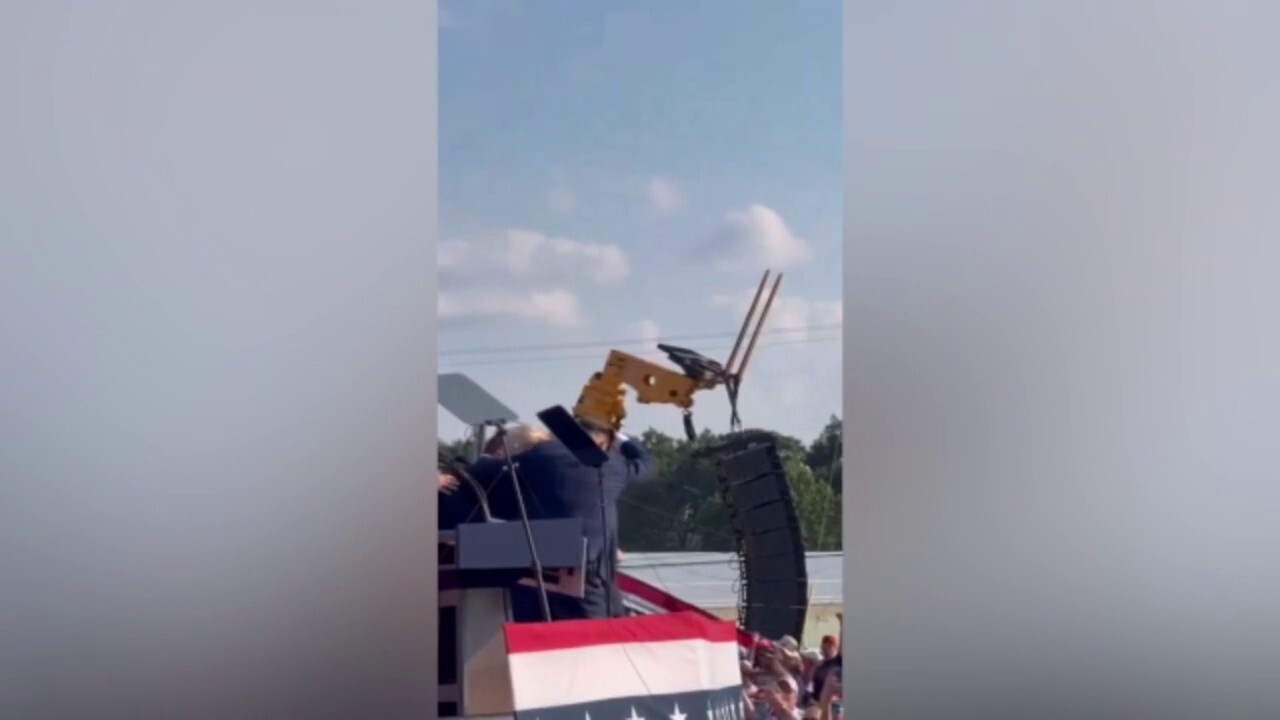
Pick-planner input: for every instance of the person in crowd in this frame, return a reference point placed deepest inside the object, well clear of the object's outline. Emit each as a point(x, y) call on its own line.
point(833, 664)
point(788, 643)
point(783, 700)
point(829, 647)
point(791, 662)
point(769, 666)
point(810, 660)
point(772, 689)
point(829, 705)
point(750, 691)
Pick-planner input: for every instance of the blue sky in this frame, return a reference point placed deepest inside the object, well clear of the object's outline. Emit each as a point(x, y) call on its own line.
point(624, 171)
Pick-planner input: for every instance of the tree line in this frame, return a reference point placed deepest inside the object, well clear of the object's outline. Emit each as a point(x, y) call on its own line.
point(682, 509)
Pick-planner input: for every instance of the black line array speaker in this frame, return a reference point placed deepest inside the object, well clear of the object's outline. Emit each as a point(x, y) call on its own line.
point(754, 485)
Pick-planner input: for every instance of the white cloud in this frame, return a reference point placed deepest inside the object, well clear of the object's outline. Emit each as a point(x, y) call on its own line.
point(557, 307)
point(665, 196)
point(452, 254)
point(527, 253)
point(755, 238)
point(790, 318)
point(648, 332)
point(562, 200)
point(524, 275)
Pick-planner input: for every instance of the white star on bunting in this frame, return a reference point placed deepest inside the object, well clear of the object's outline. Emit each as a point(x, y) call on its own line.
point(677, 715)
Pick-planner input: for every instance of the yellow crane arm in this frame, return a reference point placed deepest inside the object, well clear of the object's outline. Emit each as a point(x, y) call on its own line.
point(603, 398)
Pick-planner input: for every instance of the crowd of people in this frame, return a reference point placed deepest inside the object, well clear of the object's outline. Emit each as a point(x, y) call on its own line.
point(781, 681)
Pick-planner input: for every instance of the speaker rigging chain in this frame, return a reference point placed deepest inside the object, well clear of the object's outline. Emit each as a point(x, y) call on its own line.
point(731, 388)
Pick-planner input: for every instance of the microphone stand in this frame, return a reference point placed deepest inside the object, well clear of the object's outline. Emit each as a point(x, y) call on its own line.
point(528, 529)
point(610, 553)
point(611, 562)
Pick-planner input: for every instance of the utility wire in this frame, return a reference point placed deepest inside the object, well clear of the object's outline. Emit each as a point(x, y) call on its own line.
point(461, 364)
point(497, 350)
point(456, 364)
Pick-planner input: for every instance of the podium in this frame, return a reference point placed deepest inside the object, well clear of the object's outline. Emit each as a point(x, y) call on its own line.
point(480, 563)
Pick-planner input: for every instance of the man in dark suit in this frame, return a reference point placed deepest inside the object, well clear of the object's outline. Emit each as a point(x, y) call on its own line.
point(556, 485)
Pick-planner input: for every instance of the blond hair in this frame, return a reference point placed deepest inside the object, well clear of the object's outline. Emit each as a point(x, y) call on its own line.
point(519, 438)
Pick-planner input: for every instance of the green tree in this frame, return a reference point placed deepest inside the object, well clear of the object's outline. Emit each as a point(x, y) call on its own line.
point(825, 454)
point(681, 508)
point(817, 507)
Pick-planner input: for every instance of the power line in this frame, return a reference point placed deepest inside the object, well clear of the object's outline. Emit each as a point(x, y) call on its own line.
point(597, 357)
point(493, 350)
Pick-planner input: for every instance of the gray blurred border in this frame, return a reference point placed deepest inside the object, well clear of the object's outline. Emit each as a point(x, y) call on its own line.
point(217, 360)
point(1061, 360)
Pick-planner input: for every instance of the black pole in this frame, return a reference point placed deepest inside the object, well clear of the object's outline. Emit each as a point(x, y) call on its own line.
point(610, 554)
point(478, 439)
point(528, 530)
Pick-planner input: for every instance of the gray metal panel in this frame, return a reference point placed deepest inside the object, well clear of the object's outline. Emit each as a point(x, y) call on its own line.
point(464, 399)
point(504, 545)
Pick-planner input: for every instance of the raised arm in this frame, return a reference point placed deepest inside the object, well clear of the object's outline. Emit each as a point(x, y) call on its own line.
point(831, 690)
